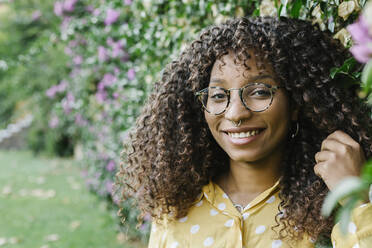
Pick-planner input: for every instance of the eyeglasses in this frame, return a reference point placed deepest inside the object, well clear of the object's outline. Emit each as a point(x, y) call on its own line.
point(256, 97)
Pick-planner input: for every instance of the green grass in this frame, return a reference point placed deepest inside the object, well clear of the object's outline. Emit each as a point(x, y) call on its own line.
point(78, 217)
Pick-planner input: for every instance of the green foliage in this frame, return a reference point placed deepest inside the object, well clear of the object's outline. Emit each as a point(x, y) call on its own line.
point(85, 77)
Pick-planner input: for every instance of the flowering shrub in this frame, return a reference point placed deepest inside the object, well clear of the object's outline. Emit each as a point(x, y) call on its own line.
point(115, 51)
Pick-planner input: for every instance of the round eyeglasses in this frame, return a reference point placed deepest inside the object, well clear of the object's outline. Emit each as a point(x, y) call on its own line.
point(256, 97)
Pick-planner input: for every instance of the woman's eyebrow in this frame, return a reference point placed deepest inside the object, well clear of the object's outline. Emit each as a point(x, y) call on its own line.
point(251, 79)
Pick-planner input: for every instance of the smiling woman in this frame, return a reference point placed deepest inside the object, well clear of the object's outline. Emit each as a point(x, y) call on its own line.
point(244, 136)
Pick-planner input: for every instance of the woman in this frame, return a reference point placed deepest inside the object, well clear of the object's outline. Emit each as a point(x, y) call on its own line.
point(244, 136)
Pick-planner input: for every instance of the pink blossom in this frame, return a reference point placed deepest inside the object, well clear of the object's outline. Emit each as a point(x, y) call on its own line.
point(110, 166)
point(109, 186)
point(69, 5)
point(117, 49)
point(79, 120)
point(96, 12)
point(58, 8)
point(362, 48)
point(62, 86)
point(68, 51)
point(111, 16)
point(36, 15)
point(115, 95)
point(127, 2)
point(51, 92)
point(101, 96)
point(131, 74)
point(54, 122)
point(102, 54)
point(109, 79)
point(89, 8)
point(78, 60)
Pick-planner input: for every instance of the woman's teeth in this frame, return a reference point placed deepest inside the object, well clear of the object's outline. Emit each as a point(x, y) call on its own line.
point(243, 134)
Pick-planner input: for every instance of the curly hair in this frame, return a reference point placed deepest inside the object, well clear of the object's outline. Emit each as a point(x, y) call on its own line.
point(172, 153)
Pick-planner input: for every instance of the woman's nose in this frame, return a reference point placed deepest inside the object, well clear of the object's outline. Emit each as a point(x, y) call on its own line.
point(236, 110)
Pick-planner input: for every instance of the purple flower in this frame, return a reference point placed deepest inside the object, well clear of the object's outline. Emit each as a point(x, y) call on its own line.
point(111, 16)
point(127, 2)
point(68, 51)
point(117, 49)
point(36, 15)
point(102, 54)
point(96, 12)
point(62, 86)
point(110, 166)
point(108, 79)
point(51, 92)
point(65, 23)
point(58, 8)
point(362, 48)
point(89, 8)
point(78, 60)
point(79, 120)
point(69, 5)
point(115, 95)
point(101, 96)
point(109, 186)
point(131, 74)
point(68, 102)
point(53, 122)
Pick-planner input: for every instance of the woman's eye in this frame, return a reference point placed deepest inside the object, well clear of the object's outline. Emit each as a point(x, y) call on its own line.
point(260, 93)
point(218, 96)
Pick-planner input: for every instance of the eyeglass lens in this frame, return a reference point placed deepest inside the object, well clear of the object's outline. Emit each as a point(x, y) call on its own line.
point(255, 97)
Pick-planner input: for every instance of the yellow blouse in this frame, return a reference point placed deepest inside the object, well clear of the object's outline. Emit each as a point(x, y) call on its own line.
point(213, 221)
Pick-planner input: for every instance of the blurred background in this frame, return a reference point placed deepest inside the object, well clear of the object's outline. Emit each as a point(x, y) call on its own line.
point(73, 77)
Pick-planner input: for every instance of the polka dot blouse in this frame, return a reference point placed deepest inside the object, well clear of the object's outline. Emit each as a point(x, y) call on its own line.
point(213, 221)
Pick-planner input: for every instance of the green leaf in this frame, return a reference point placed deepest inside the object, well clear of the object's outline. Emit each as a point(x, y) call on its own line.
point(367, 172)
point(296, 7)
point(343, 189)
point(367, 77)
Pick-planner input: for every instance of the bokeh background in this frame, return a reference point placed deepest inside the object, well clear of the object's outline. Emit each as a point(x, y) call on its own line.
point(73, 77)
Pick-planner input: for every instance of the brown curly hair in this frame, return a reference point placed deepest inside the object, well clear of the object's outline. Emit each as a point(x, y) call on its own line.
point(172, 153)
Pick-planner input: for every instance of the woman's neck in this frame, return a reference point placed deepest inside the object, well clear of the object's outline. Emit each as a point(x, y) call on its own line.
point(245, 181)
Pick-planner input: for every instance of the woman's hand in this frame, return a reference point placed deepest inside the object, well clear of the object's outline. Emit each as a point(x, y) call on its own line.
point(340, 156)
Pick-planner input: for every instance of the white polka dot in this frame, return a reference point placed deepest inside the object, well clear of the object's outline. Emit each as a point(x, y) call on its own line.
point(260, 229)
point(333, 244)
point(276, 243)
point(224, 195)
point(271, 199)
point(208, 242)
point(229, 223)
point(221, 206)
point(194, 229)
point(356, 245)
point(184, 219)
point(206, 196)
point(213, 212)
point(246, 215)
point(164, 236)
point(352, 227)
point(175, 244)
point(363, 205)
point(199, 203)
point(312, 240)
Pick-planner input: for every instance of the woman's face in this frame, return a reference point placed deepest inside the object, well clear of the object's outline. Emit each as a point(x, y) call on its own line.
point(270, 127)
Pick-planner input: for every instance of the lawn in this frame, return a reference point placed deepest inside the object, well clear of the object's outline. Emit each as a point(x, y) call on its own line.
point(45, 204)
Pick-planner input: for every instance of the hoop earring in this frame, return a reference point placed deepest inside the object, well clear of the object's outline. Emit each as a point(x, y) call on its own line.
point(296, 132)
